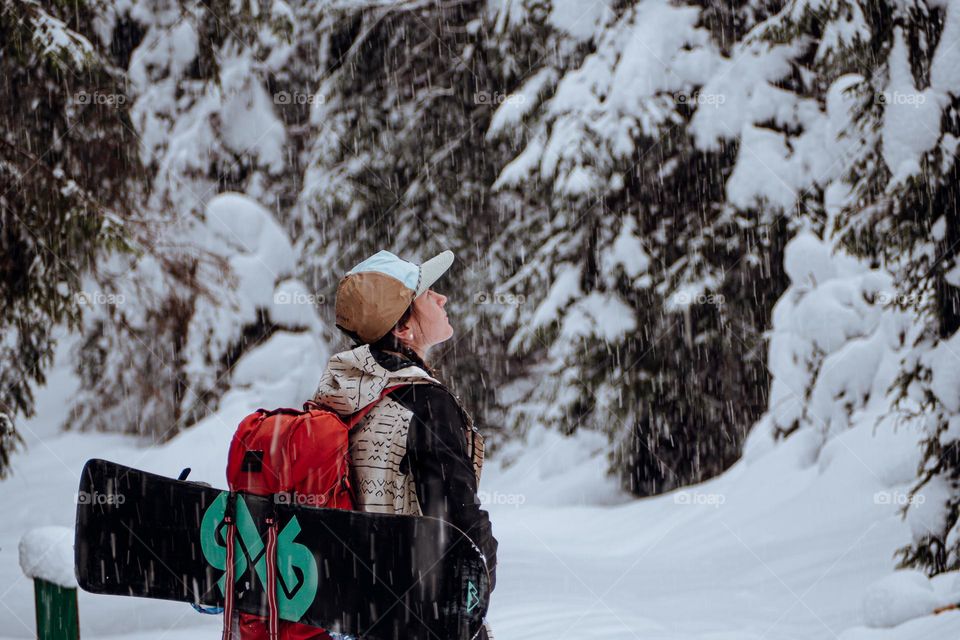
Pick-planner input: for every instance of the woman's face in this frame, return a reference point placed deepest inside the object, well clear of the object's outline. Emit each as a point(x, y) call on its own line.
point(428, 325)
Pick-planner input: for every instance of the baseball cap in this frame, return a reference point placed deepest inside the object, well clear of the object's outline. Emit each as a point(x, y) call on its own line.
point(373, 295)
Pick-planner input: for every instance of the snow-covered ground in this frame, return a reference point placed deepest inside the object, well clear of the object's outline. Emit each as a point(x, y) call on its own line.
point(784, 546)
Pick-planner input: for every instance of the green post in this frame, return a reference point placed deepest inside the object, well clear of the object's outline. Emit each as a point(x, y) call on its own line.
point(57, 617)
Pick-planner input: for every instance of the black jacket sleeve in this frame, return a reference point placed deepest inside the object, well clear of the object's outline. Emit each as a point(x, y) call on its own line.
point(442, 468)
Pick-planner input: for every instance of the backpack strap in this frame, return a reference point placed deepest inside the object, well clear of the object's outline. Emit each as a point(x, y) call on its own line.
point(355, 418)
point(273, 615)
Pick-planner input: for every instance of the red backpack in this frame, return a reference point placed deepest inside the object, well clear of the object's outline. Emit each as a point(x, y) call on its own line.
point(304, 456)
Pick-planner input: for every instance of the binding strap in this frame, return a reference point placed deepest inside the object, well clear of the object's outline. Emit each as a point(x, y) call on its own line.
point(229, 518)
point(273, 616)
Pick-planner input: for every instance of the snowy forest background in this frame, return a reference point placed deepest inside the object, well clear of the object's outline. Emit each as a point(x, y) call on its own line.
point(697, 229)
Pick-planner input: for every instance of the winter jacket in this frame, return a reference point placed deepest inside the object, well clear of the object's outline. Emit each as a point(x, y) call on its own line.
point(417, 451)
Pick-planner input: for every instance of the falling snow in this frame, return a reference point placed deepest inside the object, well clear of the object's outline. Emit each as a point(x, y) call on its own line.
point(705, 300)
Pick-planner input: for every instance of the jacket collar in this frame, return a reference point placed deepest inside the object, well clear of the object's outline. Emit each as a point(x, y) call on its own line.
point(355, 378)
point(391, 360)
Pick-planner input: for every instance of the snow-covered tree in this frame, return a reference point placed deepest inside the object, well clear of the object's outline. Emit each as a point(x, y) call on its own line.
point(199, 290)
point(894, 67)
point(401, 100)
point(646, 291)
point(68, 181)
point(903, 211)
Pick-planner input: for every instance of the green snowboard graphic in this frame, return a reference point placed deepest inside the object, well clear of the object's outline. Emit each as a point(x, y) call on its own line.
point(294, 594)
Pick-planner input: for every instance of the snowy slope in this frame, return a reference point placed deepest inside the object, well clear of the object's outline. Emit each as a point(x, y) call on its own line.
point(775, 548)
point(783, 546)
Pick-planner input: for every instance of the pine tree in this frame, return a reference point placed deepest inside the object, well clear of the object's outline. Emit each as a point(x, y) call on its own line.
point(68, 182)
point(896, 201)
point(904, 214)
point(637, 320)
point(205, 123)
point(395, 161)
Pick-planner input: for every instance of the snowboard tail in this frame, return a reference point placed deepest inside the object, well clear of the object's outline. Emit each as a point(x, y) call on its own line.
point(370, 575)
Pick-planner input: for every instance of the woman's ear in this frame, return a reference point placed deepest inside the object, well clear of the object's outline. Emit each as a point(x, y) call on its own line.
point(402, 332)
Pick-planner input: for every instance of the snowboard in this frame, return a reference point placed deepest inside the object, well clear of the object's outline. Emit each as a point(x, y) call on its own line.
point(374, 576)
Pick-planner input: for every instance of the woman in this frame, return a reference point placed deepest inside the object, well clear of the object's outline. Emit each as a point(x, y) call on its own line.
point(417, 451)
